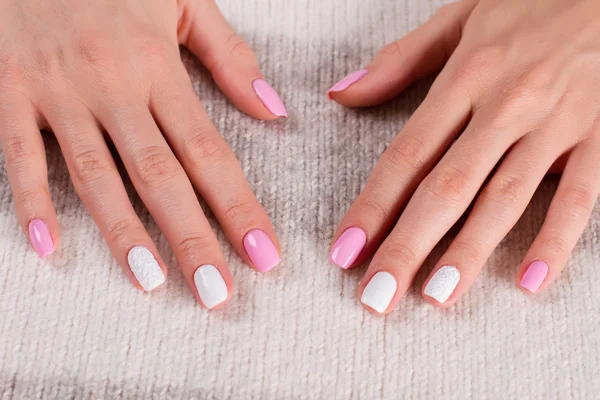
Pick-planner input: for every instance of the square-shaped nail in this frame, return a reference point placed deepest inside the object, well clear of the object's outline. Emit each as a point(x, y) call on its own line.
point(40, 238)
point(145, 268)
point(210, 285)
point(534, 276)
point(442, 283)
point(380, 291)
point(348, 246)
point(261, 250)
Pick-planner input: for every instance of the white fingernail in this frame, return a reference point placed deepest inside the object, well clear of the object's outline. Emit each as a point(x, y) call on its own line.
point(211, 286)
point(442, 283)
point(379, 291)
point(145, 268)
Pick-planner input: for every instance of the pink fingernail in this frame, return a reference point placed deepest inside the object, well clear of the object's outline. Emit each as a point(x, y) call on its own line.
point(348, 247)
point(348, 80)
point(269, 97)
point(40, 238)
point(261, 250)
point(534, 276)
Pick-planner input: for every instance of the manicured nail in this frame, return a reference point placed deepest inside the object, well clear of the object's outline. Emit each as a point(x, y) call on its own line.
point(534, 276)
point(348, 247)
point(210, 285)
point(379, 291)
point(269, 97)
point(261, 250)
point(40, 238)
point(348, 80)
point(442, 283)
point(145, 268)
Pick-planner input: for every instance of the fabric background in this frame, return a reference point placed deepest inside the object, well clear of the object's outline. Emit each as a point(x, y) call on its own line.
point(73, 326)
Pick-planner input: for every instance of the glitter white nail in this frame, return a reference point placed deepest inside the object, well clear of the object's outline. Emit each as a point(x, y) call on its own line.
point(379, 291)
point(145, 268)
point(210, 285)
point(442, 283)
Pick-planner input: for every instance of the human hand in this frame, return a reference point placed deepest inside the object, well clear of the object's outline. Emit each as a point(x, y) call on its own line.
point(518, 91)
point(82, 68)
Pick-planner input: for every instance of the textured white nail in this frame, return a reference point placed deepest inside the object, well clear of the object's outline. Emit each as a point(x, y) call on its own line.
point(379, 291)
point(211, 286)
point(145, 268)
point(442, 283)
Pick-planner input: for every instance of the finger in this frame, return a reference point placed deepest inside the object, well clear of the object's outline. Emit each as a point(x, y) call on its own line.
point(496, 211)
point(25, 158)
point(402, 166)
point(420, 53)
point(231, 61)
point(440, 200)
point(567, 217)
point(167, 192)
point(215, 172)
point(98, 183)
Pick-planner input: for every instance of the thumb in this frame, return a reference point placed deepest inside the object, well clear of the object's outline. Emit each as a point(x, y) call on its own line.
point(420, 53)
point(230, 60)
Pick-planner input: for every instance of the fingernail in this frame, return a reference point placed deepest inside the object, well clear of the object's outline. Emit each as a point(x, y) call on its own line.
point(269, 97)
point(442, 283)
point(210, 285)
point(145, 268)
point(534, 276)
point(40, 238)
point(261, 250)
point(348, 80)
point(379, 291)
point(348, 247)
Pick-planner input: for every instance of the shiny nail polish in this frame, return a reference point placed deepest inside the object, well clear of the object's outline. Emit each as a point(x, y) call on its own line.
point(380, 291)
point(442, 283)
point(534, 276)
point(145, 268)
point(348, 246)
point(269, 97)
point(261, 250)
point(348, 80)
point(211, 286)
point(40, 238)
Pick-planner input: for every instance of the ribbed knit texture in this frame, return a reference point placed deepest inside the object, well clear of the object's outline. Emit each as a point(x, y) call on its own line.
point(73, 327)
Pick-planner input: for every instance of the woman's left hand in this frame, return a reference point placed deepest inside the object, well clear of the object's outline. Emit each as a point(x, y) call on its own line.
point(519, 90)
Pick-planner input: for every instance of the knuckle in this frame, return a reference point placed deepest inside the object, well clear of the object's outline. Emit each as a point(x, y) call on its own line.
point(48, 57)
point(205, 147)
point(119, 231)
point(578, 199)
point(371, 208)
point(88, 166)
point(238, 47)
point(393, 49)
point(401, 254)
point(239, 211)
point(467, 252)
point(9, 70)
point(555, 244)
point(449, 184)
point(154, 166)
point(94, 51)
point(406, 153)
point(27, 199)
point(479, 62)
point(192, 249)
point(506, 189)
point(15, 150)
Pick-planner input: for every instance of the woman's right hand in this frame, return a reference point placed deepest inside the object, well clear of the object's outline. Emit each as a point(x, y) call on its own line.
point(81, 69)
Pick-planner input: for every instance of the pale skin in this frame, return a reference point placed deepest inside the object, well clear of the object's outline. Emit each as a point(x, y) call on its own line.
point(95, 70)
point(518, 91)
